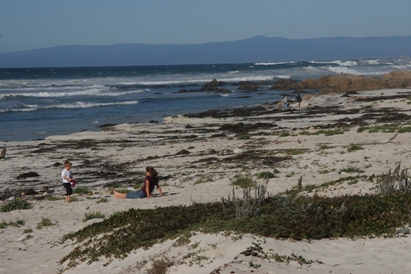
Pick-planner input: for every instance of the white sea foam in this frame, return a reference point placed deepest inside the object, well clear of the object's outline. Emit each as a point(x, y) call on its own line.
point(87, 91)
point(311, 68)
point(284, 76)
point(73, 105)
point(371, 62)
point(337, 62)
point(90, 105)
point(220, 77)
point(343, 70)
point(248, 78)
point(18, 110)
point(274, 63)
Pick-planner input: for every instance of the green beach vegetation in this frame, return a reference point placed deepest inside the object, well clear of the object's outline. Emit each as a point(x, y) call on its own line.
point(93, 215)
point(16, 204)
point(44, 223)
point(386, 128)
point(17, 223)
point(280, 216)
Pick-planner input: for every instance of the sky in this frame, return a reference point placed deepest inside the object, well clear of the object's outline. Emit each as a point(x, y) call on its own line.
point(29, 24)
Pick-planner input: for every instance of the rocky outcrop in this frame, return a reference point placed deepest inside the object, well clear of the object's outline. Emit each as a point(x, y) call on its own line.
point(248, 86)
point(213, 85)
point(398, 79)
point(348, 83)
point(343, 83)
point(285, 84)
point(210, 86)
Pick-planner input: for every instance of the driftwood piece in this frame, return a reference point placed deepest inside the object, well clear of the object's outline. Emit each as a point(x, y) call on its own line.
point(376, 142)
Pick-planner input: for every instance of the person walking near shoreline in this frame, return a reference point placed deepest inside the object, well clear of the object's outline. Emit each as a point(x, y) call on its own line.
point(298, 99)
point(285, 102)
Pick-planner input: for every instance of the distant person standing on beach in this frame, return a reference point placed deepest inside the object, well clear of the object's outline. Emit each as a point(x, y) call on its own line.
point(298, 99)
point(285, 102)
point(146, 190)
point(68, 180)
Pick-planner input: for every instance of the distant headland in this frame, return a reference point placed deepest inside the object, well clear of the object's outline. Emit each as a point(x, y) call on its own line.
point(256, 49)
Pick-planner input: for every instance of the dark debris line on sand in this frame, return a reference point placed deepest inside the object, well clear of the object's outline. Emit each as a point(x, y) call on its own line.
point(250, 120)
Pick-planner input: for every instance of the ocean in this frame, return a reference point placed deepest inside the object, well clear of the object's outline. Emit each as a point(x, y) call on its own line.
point(39, 102)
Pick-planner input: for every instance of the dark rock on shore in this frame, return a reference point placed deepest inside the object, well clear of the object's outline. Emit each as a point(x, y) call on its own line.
point(236, 112)
point(244, 128)
point(348, 83)
point(30, 174)
point(107, 125)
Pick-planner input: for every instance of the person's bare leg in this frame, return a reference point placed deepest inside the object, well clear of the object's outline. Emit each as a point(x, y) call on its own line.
point(119, 195)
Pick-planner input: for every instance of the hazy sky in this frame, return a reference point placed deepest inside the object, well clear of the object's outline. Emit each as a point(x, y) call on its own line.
point(28, 24)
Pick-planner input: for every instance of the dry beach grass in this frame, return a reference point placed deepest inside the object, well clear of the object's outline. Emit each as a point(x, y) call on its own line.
point(199, 156)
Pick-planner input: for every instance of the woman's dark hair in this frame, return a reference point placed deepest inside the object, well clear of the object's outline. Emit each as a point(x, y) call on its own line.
point(153, 172)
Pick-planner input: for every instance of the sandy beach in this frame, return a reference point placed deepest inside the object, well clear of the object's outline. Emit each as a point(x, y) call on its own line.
point(197, 156)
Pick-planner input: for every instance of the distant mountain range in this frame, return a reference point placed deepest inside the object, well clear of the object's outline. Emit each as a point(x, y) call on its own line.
point(256, 49)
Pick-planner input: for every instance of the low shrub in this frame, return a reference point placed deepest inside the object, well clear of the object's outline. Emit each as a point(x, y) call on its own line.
point(243, 136)
point(93, 215)
point(331, 132)
point(242, 181)
point(249, 204)
point(160, 266)
point(284, 134)
point(44, 222)
point(295, 217)
point(289, 215)
point(385, 128)
point(265, 175)
point(17, 204)
point(81, 190)
point(404, 129)
point(351, 169)
point(18, 223)
point(55, 198)
point(397, 181)
point(102, 200)
point(352, 148)
point(323, 147)
point(293, 151)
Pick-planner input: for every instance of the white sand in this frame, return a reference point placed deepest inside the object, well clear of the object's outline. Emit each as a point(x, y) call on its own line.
point(196, 182)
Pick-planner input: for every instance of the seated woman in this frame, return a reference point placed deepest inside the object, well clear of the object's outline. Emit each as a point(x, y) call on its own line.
point(150, 182)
